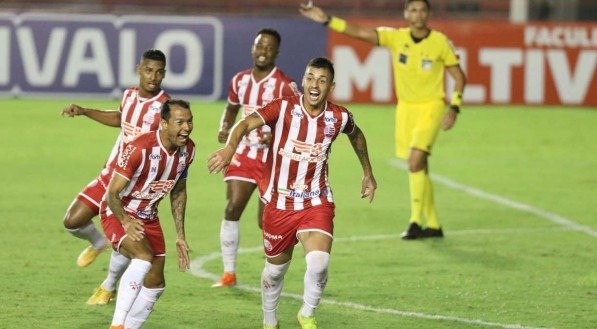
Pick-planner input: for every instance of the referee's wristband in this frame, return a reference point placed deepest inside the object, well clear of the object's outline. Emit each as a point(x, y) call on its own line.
point(336, 24)
point(456, 98)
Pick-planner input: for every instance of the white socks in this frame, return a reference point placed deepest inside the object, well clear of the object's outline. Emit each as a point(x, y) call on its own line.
point(130, 285)
point(118, 264)
point(229, 240)
point(272, 281)
point(142, 307)
point(316, 277)
point(91, 234)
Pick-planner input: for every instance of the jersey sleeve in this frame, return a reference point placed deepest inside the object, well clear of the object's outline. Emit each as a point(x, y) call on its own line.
point(386, 36)
point(270, 112)
point(450, 57)
point(233, 91)
point(128, 160)
point(349, 125)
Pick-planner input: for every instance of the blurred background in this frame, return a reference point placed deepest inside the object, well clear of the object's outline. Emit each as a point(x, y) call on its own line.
point(556, 10)
point(527, 52)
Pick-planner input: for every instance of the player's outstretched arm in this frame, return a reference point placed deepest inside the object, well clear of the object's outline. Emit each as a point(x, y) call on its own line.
point(359, 144)
point(337, 24)
point(109, 118)
point(218, 160)
point(178, 204)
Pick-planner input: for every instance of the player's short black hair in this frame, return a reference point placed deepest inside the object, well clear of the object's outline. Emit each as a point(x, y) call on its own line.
point(272, 32)
point(322, 63)
point(408, 2)
point(154, 54)
point(165, 113)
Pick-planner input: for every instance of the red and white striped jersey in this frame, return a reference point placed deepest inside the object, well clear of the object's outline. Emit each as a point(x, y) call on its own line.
point(151, 171)
point(250, 94)
point(296, 174)
point(138, 116)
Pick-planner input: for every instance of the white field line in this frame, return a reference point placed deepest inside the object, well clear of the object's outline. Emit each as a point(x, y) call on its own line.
point(567, 224)
point(560, 220)
point(198, 270)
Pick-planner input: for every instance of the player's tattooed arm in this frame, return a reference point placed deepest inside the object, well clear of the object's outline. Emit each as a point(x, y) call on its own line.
point(178, 202)
point(359, 144)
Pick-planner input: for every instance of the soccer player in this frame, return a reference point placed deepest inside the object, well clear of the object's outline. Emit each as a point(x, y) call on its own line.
point(139, 112)
point(299, 201)
point(249, 89)
point(420, 56)
point(149, 167)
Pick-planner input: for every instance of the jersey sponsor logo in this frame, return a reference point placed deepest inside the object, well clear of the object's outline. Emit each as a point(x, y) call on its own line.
point(145, 214)
point(155, 157)
point(159, 189)
point(124, 156)
point(330, 119)
point(297, 113)
point(302, 147)
point(269, 236)
point(302, 157)
point(130, 131)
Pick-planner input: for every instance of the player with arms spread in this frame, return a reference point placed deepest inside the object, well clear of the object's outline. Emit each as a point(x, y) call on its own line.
point(420, 56)
point(299, 200)
point(139, 112)
point(147, 169)
point(248, 90)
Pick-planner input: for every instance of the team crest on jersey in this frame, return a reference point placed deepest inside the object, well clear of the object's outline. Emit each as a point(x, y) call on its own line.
point(124, 156)
point(149, 118)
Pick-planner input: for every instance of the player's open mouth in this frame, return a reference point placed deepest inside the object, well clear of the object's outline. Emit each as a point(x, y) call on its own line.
point(313, 95)
point(183, 137)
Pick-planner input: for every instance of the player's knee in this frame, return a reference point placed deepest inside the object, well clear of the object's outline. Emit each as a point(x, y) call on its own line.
point(232, 211)
point(72, 221)
point(317, 263)
point(154, 281)
point(276, 272)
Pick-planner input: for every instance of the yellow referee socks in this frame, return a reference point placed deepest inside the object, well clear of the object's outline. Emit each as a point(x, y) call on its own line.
point(429, 205)
point(417, 193)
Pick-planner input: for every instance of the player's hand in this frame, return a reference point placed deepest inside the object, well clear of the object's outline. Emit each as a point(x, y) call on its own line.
point(134, 228)
point(72, 110)
point(223, 133)
point(265, 138)
point(313, 12)
point(182, 248)
point(449, 119)
point(218, 160)
point(368, 187)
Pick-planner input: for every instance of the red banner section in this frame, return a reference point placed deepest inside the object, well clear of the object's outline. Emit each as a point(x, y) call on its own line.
point(505, 63)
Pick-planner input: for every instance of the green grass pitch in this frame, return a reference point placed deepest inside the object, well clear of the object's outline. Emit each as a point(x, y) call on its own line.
point(515, 189)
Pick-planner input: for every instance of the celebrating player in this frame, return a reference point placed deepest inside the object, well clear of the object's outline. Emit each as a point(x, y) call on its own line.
point(147, 169)
point(139, 112)
point(249, 89)
point(299, 201)
point(420, 56)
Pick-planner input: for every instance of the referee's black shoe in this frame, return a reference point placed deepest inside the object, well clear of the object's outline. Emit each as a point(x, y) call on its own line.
point(414, 231)
point(432, 233)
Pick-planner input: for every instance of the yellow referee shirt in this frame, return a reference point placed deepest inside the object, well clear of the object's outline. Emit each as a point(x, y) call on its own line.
point(418, 67)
